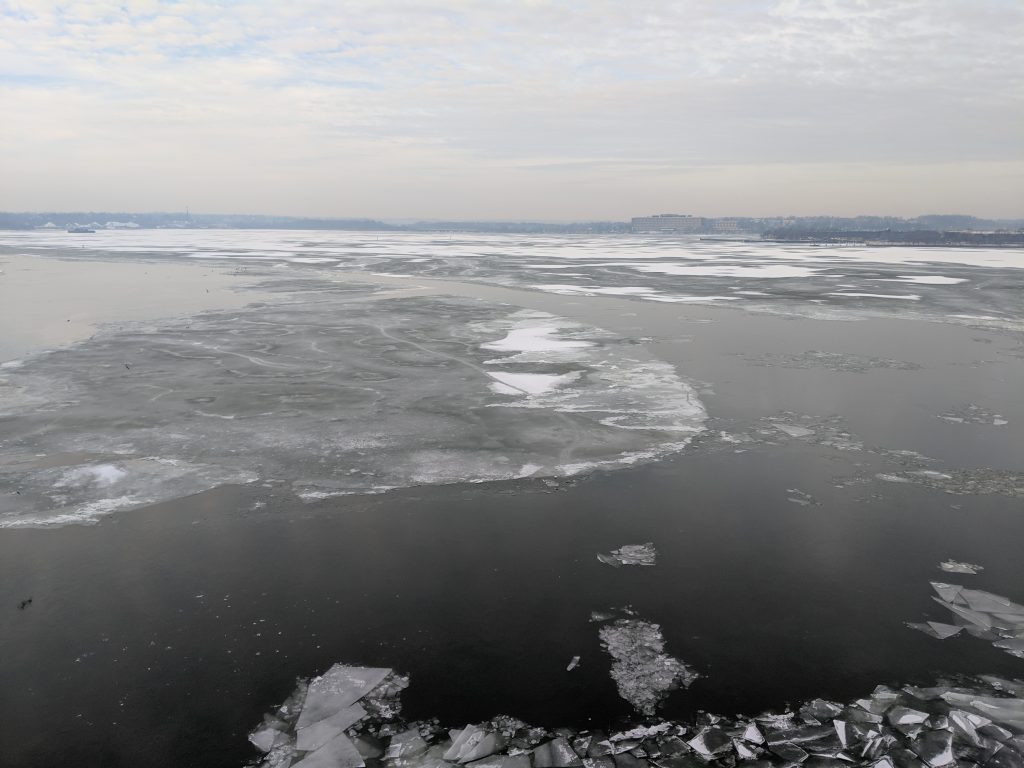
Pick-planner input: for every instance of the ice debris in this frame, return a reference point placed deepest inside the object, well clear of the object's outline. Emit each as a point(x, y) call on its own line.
point(830, 361)
point(954, 566)
point(642, 671)
point(974, 414)
point(981, 614)
point(573, 663)
point(630, 554)
point(978, 722)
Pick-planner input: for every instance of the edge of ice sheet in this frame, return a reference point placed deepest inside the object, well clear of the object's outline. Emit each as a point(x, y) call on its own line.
point(84, 493)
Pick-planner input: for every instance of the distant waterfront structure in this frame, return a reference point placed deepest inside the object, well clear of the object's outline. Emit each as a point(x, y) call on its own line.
point(724, 225)
point(667, 223)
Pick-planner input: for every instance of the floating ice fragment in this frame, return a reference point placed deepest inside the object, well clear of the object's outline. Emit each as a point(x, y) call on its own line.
point(983, 614)
point(642, 671)
point(937, 629)
point(573, 663)
point(630, 554)
point(953, 566)
point(793, 430)
point(338, 688)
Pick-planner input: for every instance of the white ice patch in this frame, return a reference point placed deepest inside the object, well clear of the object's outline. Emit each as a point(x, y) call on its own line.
point(771, 271)
point(926, 279)
point(534, 338)
point(902, 296)
point(99, 475)
point(693, 299)
point(626, 290)
point(618, 389)
point(530, 383)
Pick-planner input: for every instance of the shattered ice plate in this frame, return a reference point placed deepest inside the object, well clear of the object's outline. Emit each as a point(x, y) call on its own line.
point(982, 614)
point(630, 554)
point(979, 722)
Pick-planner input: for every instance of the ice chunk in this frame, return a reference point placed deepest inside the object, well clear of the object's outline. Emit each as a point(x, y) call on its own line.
point(573, 663)
point(339, 752)
point(504, 761)
point(906, 716)
point(642, 671)
point(710, 742)
point(406, 744)
point(267, 737)
point(983, 614)
point(792, 430)
point(338, 688)
point(953, 566)
point(473, 743)
point(630, 554)
point(948, 592)
point(315, 735)
point(935, 748)
point(937, 629)
point(556, 754)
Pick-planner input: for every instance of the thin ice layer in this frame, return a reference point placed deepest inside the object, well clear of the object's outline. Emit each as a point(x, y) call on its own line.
point(348, 395)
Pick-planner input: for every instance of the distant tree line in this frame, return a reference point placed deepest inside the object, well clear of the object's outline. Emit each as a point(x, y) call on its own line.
point(806, 227)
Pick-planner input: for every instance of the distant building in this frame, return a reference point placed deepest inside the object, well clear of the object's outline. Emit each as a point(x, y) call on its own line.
point(725, 225)
point(667, 223)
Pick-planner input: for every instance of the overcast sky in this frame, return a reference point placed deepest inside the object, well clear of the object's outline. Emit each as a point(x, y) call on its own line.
point(531, 109)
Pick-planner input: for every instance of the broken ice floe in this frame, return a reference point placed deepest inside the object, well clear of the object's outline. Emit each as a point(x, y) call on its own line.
point(630, 554)
point(954, 566)
point(820, 430)
point(831, 361)
point(643, 673)
point(573, 663)
point(804, 499)
point(962, 482)
point(981, 614)
point(974, 414)
point(977, 722)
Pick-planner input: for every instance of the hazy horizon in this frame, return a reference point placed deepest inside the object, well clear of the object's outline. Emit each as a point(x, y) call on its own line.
point(405, 220)
point(537, 111)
